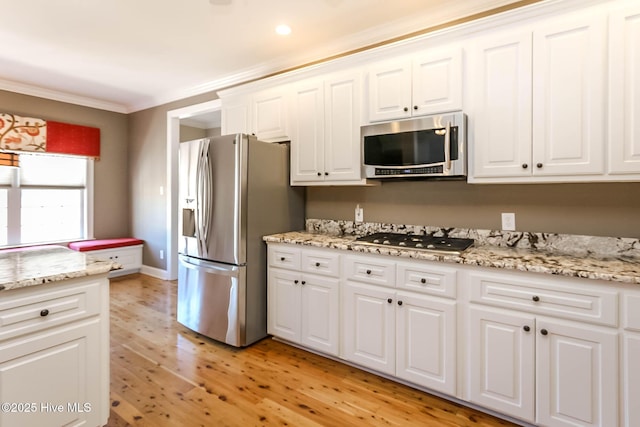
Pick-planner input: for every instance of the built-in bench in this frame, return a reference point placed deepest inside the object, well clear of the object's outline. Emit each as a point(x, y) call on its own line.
point(126, 251)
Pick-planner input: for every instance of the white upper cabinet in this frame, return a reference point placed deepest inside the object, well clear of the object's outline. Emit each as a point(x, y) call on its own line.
point(325, 137)
point(307, 137)
point(264, 114)
point(390, 90)
point(624, 89)
point(569, 69)
point(537, 102)
point(269, 114)
point(500, 87)
point(426, 83)
point(235, 115)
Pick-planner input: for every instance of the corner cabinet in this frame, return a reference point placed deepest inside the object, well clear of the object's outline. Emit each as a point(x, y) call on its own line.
point(537, 101)
point(325, 139)
point(426, 83)
point(54, 353)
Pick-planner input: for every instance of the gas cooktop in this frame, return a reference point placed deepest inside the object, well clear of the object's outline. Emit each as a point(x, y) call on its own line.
point(449, 245)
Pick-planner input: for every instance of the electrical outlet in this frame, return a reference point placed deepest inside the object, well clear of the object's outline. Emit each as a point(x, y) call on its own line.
point(161, 254)
point(509, 221)
point(359, 214)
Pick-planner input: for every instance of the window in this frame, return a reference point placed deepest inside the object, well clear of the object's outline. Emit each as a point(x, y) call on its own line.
point(45, 200)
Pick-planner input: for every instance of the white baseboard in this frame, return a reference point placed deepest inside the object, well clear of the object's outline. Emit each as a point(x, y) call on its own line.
point(155, 272)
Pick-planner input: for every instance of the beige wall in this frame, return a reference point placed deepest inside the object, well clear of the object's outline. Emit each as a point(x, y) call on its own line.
point(148, 172)
point(111, 195)
point(607, 209)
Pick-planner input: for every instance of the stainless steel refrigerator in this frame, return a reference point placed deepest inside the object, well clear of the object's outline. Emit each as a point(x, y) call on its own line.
point(233, 190)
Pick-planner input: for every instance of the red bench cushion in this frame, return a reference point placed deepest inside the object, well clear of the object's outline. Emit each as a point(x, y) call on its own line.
point(94, 245)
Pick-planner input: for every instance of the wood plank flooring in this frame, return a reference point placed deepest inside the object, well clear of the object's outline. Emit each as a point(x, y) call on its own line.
point(163, 374)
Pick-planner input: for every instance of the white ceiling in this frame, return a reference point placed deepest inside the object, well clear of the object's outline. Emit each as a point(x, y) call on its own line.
point(128, 55)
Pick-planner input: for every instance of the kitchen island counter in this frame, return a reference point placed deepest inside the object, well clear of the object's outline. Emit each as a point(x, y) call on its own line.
point(35, 266)
point(625, 269)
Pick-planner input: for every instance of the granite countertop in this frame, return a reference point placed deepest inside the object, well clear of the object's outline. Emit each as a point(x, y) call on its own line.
point(611, 268)
point(35, 266)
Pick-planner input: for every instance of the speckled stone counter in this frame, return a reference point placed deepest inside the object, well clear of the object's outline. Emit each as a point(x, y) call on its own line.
point(611, 259)
point(35, 266)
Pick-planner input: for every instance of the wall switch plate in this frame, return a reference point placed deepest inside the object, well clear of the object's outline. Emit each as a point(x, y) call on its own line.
point(359, 214)
point(509, 221)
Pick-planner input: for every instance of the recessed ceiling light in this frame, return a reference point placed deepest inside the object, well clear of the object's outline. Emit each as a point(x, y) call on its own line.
point(283, 30)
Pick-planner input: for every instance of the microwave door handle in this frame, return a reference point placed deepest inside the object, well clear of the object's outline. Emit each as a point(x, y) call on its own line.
point(447, 147)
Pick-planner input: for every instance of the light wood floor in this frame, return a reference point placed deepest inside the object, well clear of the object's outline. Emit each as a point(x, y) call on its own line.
point(163, 374)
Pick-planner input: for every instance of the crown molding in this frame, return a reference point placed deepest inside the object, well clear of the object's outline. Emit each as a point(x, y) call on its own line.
point(55, 95)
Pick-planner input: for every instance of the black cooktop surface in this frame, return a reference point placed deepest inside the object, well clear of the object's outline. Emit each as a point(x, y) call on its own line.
point(417, 242)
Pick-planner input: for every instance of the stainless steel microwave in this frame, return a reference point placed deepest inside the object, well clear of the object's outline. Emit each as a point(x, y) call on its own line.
point(430, 146)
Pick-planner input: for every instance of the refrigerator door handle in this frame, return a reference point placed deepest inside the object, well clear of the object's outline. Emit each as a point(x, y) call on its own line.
point(203, 182)
point(211, 267)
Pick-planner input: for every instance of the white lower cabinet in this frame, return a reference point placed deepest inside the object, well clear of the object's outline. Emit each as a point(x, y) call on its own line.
point(304, 308)
point(502, 361)
point(54, 354)
point(369, 326)
point(546, 350)
point(410, 335)
point(576, 374)
point(543, 370)
point(630, 368)
point(402, 334)
point(55, 374)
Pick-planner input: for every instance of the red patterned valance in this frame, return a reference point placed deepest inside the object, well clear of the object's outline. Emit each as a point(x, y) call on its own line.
point(29, 134)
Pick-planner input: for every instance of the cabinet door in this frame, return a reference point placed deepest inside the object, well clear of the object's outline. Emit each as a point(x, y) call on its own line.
point(501, 361)
point(631, 379)
point(569, 69)
point(437, 81)
point(577, 375)
point(500, 83)
point(307, 139)
point(283, 305)
point(426, 341)
point(235, 116)
point(320, 313)
point(390, 90)
point(270, 114)
point(624, 104)
point(58, 371)
point(342, 127)
point(368, 314)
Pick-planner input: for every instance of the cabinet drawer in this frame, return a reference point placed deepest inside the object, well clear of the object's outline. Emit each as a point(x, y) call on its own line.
point(426, 278)
point(370, 270)
point(283, 256)
point(631, 311)
point(320, 262)
point(548, 297)
point(130, 257)
point(27, 312)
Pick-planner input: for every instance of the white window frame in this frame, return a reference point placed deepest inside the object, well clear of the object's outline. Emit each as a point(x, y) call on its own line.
point(14, 207)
